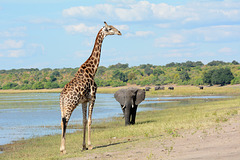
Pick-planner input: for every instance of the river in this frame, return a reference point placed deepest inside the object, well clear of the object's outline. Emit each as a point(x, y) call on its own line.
point(27, 115)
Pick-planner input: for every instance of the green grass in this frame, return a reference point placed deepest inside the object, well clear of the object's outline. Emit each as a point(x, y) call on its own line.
point(195, 91)
point(183, 91)
point(112, 135)
point(178, 91)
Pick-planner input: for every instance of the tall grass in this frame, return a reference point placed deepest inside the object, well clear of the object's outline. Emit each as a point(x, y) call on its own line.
point(112, 135)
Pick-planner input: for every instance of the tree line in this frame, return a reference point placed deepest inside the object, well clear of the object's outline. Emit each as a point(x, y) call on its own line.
point(186, 73)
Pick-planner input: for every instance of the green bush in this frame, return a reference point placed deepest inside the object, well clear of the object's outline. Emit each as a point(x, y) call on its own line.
point(62, 84)
point(54, 85)
point(10, 85)
point(38, 85)
point(47, 85)
point(117, 83)
point(236, 80)
point(220, 76)
point(189, 72)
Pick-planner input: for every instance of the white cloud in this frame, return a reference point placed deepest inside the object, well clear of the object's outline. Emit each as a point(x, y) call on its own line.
point(200, 12)
point(11, 44)
point(97, 11)
point(165, 11)
point(124, 12)
point(163, 25)
point(140, 34)
point(13, 32)
point(170, 41)
point(12, 48)
point(122, 27)
point(225, 50)
point(16, 53)
point(192, 37)
point(89, 30)
point(81, 28)
point(16, 49)
point(35, 48)
point(218, 33)
point(122, 1)
point(13, 53)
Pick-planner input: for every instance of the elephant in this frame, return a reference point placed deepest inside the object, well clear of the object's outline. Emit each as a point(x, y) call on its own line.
point(162, 88)
point(147, 88)
point(159, 88)
point(129, 100)
point(171, 88)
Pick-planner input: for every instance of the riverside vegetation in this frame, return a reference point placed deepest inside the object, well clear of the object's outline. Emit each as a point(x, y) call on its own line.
point(186, 73)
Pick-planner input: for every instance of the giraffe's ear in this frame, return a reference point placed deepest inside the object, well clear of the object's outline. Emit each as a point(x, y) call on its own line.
point(105, 24)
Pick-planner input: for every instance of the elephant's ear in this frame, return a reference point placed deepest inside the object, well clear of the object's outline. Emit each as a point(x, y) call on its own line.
point(140, 96)
point(120, 96)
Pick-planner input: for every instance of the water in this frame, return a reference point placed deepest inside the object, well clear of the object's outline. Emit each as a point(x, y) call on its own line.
point(26, 115)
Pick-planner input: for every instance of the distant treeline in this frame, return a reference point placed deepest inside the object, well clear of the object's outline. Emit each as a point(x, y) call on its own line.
point(186, 73)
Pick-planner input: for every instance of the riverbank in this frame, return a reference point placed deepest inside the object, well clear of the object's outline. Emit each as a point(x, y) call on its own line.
point(111, 139)
point(217, 142)
point(231, 90)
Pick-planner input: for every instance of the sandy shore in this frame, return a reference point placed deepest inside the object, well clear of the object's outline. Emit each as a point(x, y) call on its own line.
point(220, 142)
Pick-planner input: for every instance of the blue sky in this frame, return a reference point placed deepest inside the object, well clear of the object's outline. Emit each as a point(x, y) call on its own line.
point(61, 33)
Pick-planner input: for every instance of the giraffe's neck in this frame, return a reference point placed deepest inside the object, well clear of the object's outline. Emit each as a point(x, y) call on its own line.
point(91, 65)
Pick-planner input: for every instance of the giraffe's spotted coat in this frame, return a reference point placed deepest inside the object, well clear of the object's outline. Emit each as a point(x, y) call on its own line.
point(82, 88)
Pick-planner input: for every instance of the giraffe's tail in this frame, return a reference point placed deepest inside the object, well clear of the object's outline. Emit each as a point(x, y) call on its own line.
point(62, 107)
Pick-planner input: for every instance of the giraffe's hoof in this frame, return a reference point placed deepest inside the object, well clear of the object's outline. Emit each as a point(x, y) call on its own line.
point(90, 147)
point(63, 151)
point(84, 149)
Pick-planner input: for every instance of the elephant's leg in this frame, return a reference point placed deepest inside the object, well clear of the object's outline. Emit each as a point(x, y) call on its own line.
point(123, 110)
point(127, 116)
point(133, 114)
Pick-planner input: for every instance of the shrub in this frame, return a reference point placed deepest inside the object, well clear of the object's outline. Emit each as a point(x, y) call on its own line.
point(220, 76)
point(38, 85)
point(10, 85)
point(54, 85)
point(117, 83)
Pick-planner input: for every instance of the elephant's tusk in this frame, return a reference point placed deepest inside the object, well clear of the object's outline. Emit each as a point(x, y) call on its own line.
point(132, 106)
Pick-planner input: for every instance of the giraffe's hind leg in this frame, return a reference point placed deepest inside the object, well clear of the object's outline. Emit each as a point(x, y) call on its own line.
point(66, 114)
point(90, 110)
point(63, 138)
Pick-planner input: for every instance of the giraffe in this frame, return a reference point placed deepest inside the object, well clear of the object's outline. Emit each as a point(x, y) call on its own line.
point(82, 89)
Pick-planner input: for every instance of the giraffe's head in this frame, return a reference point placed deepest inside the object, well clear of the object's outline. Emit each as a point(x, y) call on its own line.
point(110, 30)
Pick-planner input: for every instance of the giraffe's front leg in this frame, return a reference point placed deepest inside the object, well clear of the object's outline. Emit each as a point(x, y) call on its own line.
point(84, 111)
point(91, 104)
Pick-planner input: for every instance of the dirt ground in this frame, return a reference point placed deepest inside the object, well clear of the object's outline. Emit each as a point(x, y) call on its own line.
point(220, 142)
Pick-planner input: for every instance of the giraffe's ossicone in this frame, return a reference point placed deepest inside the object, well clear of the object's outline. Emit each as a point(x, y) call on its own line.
point(82, 89)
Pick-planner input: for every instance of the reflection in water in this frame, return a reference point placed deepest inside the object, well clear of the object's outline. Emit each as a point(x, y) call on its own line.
point(26, 115)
